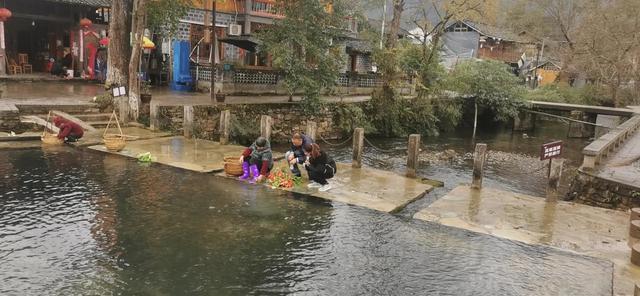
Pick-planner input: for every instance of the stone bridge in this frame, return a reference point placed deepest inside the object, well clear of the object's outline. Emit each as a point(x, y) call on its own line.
point(610, 172)
point(584, 120)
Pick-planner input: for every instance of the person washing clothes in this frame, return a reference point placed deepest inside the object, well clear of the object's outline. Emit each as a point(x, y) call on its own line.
point(257, 161)
point(296, 154)
point(320, 167)
point(69, 130)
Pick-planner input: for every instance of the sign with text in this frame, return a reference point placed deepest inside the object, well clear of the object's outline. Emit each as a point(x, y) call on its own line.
point(119, 91)
point(551, 150)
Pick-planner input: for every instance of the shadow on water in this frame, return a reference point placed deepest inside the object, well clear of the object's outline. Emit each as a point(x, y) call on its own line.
point(80, 223)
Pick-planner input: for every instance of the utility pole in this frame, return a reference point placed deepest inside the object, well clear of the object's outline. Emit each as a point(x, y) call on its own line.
point(214, 44)
point(535, 70)
point(384, 20)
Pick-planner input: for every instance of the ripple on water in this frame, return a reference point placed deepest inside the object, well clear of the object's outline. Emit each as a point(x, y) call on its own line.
point(110, 226)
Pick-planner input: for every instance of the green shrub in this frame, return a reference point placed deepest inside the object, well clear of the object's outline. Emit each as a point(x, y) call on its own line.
point(105, 102)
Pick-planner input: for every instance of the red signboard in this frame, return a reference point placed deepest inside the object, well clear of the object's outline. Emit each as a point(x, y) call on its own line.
point(551, 150)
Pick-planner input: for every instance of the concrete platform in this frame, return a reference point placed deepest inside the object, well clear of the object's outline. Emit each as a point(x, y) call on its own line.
point(195, 155)
point(579, 228)
point(370, 188)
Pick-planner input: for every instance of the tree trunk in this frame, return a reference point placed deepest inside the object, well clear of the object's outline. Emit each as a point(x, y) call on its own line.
point(134, 80)
point(392, 39)
point(119, 49)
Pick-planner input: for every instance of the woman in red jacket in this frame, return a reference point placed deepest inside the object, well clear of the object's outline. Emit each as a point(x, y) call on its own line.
point(69, 130)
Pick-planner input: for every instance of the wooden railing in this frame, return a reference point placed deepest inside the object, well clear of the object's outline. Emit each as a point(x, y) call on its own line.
point(604, 146)
point(268, 8)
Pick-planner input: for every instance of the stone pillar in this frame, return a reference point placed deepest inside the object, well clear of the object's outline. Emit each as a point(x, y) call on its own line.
point(154, 121)
point(635, 214)
point(607, 122)
point(636, 291)
point(358, 144)
point(576, 129)
point(525, 121)
point(479, 157)
point(3, 64)
point(413, 152)
point(225, 126)
point(312, 128)
point(634, 229)
point(265, 126)
point(187, 122)
point(553, 182)
point(635, 254)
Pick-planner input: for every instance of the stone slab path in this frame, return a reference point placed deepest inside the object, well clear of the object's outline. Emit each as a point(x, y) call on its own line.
point(370, 188)
point(592, 231)
point(366, 187)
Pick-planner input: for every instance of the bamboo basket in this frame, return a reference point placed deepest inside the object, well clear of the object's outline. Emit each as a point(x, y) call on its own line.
point(50, 138)
point(114, 142)
point(232, 167)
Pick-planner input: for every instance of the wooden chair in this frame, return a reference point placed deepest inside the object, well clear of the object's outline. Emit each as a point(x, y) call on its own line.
point(14, 68)
point(23, 61)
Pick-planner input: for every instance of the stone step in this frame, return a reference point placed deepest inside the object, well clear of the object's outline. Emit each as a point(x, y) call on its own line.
point(39, 121)
point(74, 119)
point(101, 124)
point(44, 109)
point(93, 117)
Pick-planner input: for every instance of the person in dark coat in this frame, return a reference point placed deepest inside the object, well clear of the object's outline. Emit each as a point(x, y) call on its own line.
point(320, 167)
point(257, 161)
point(69, 130)
point(296, 154)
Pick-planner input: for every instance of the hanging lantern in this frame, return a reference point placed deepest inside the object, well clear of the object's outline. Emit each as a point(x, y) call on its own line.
point(85, 23)
point(5, 14)
point(147, 43)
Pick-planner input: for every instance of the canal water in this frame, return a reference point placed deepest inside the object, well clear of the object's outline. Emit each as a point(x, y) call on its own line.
point(74, 222)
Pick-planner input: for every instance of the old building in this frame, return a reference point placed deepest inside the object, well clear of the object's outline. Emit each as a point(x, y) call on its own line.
point(41, 30)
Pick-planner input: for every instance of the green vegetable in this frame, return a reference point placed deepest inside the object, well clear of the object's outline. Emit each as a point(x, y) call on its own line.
point(145, 157)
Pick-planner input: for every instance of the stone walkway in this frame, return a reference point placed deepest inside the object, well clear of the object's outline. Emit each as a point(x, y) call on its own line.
point(370, 188)
point(366, 187)
point(582, 229)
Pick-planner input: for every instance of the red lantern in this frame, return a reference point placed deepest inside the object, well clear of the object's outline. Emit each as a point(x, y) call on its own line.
point(85, 23)
point(5, 14)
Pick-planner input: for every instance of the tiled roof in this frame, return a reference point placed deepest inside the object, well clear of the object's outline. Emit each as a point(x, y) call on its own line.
point(92, 3)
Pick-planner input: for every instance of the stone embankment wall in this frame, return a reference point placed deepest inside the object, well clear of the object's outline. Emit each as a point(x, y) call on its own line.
point(245, 122)
point(595, 191)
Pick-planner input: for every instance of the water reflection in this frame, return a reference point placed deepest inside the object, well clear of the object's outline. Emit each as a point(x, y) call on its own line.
point(80, 223)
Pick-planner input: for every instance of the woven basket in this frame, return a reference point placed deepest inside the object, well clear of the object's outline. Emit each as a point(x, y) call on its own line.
point(114, 142)
point(51, 139)
point(232, 167)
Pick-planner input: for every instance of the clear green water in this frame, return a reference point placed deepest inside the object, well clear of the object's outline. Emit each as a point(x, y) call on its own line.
point(82, 223)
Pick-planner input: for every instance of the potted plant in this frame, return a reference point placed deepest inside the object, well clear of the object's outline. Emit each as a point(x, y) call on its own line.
point(145, 92)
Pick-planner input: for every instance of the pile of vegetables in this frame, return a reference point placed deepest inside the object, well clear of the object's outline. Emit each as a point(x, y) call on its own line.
point(280, 178)
point(145, 157)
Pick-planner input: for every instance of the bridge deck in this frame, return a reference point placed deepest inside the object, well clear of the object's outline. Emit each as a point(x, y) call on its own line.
point(624, 165)
point(584, 108)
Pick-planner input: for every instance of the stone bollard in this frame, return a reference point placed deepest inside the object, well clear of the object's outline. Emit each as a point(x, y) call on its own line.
point(413, 152)
point(187, 122)
point(635, 214)
point(636, 291)
point(553, 182)
point(358, 144)
point(635, 254)
point(225, 126)
point(312, 128)
point(479, 157)
point(634, 229)
point(154, 121)
point(265, 126)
